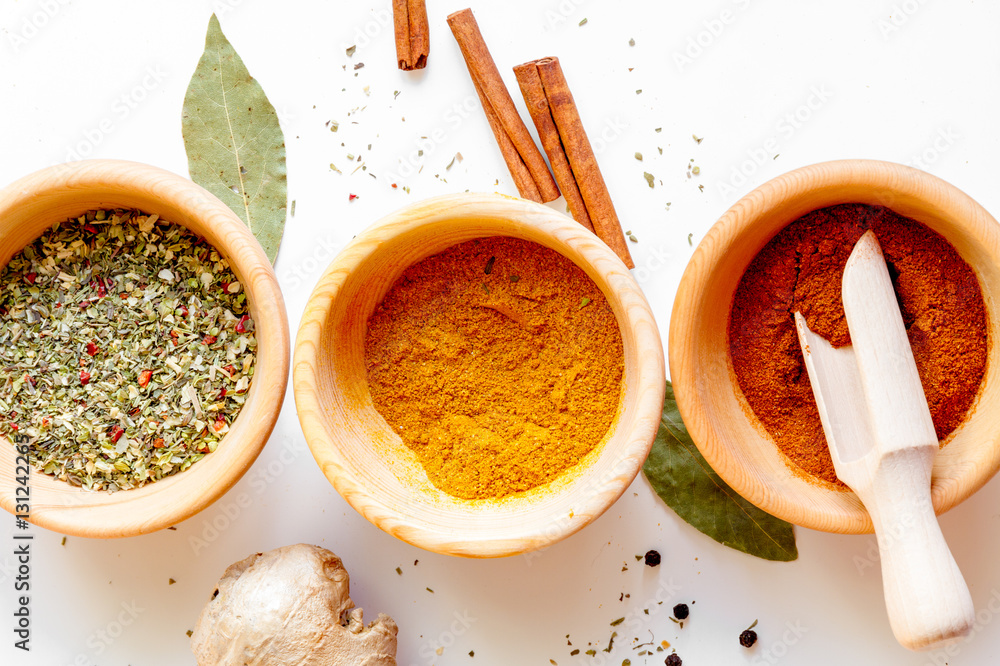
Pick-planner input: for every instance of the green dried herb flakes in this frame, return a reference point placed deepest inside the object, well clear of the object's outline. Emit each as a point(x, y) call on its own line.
point(126, 349)
point(649, 178)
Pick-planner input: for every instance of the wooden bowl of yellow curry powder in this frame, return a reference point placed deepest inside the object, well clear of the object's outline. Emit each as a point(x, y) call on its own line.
point(143, 348)
point(478, 375)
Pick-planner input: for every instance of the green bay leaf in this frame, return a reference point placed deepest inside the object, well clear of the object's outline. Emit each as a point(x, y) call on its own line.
point(685, 481)
point(234, 144)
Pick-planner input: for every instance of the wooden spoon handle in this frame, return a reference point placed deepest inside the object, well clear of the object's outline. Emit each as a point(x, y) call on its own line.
point(926, 596)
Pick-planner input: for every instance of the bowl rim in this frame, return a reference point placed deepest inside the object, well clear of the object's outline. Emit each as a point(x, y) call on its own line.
point(59, 506)
point(899, 183)
point(486, 209)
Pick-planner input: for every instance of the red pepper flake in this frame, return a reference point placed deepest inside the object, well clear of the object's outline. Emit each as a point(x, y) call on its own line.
point(144, 377)
point(13, 426)
point(45, 421)
point(91, 348)
point(84, 377)
point(394, 186)
point(158, 443)
point(30, 277)
point(225, 287)
point(31, 380)
point(174, 333)
point(209, 340)
point(123, 295)
point(230, 369)
point(220, 423)
point(222, 393)
point(241, 326)
point(184, 311)
point(352, 197)
point(116, 433)
point(89, 228)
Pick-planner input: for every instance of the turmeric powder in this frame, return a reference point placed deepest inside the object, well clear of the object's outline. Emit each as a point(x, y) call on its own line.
point(498, 362)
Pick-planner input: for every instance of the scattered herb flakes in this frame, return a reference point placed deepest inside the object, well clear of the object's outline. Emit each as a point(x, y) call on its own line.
point(291, 210)
point(515, 278)
point(583, 22)
point(697, 139)
point(399, 571)
point(658, 130)
point(573, 653)
point(617, 622)
point(631, 42)
point(701, 188)
point(611, 642)
point(171, 581)
point(359, 66)
point(395, 94)
point(649, 178)
point(458, 156)
point(489, 265)
point(172, 339)
point(696, 170)
point(472, 653)
point(584, 302)
point(690, 236)
point(632, 237)
point(63, 541)
point(638, 156)
point(189, 633)
point(334, 126)
point(429, 590)
point(351, 49)
point(591, 652)
point(333, 167)
point(639, 91)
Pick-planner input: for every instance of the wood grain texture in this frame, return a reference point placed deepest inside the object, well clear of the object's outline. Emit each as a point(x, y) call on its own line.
point(368, 463)
point(713, 407)
point(27, 207)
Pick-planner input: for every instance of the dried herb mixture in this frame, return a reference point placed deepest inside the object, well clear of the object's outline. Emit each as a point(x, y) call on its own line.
point(126, 349)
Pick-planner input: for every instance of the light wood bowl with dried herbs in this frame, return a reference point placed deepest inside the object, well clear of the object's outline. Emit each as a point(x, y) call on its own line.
point(32, 205)
point(368, 462)
point(715, 410)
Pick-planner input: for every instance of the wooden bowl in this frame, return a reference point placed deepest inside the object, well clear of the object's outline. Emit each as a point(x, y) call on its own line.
point(32, 204)
point(365, 459)
point(714, 409)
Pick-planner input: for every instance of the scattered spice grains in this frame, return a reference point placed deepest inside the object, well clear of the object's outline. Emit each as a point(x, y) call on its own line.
point(652, 558)
point(673, 660)
point(126, 349)
point(681, 611)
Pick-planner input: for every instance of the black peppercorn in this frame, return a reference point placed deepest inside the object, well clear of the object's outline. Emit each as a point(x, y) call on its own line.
point(652, 558)
point(681, 611)
point(748, 638)
point(673, 660)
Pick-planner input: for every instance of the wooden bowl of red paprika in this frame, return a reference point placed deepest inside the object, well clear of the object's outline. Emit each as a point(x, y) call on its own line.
point(716, 410)
point(365, 458)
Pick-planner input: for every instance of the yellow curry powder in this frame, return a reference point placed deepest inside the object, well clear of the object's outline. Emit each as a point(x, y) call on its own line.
point(498, 362)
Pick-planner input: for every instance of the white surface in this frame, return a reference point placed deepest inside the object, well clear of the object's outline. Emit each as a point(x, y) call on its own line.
point(925, 89)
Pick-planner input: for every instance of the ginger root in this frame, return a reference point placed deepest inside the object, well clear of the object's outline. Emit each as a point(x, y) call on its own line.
point(290, 606)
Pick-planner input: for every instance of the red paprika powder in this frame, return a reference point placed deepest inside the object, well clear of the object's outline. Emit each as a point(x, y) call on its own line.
point(801, 269)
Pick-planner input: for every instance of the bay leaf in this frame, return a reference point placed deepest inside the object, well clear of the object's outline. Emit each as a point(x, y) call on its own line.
point(234, 143)
point(686, 482)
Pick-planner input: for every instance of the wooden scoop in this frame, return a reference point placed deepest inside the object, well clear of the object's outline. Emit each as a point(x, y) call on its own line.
point(882, 442)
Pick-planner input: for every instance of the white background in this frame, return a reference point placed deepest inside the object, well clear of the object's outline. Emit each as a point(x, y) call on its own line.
point(774, 86)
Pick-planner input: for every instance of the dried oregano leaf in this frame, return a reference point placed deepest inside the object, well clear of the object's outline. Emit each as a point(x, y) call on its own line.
point(234, 144)
point(685, 481)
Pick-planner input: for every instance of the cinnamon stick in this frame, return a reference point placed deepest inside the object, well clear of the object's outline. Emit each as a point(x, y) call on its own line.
point(524, 161)
point(413, 44)
point(562, 134)
point(538, 106)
